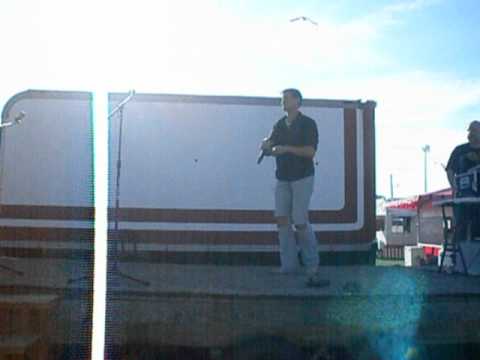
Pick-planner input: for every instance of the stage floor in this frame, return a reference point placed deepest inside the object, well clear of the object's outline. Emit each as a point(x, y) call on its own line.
point(207, 305)
point(212, 280)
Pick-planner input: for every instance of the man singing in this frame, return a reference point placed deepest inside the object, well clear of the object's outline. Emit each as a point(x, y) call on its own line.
point(293, 141)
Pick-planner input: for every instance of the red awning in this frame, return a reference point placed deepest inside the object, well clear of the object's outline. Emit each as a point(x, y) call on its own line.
point(420, 200)
point(406, 204)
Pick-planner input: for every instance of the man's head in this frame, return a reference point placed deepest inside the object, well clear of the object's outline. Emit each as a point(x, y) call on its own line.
point(291, 99)
point(474, 133)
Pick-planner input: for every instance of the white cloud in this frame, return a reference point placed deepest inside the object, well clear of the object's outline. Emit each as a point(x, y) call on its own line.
point(399, 152)
point(420, 99)
point(390, 12)
point(393, 14)
point(411, 98)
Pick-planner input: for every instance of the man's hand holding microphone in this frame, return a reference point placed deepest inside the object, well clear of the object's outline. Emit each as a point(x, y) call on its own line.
point(267, 149)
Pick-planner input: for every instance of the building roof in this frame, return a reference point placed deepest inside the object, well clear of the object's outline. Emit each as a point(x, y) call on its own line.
point(414, 202)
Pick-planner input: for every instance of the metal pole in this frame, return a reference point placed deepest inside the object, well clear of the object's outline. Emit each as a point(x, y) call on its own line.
point(116, 237)
point(426, 173)
point(391, 186)
point(117, 189)
point(425, 149)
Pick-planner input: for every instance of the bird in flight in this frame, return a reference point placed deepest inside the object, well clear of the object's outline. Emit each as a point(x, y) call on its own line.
point(304, 18)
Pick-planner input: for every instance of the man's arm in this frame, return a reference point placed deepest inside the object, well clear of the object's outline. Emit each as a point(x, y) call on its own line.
point(451, 178)
point(268, 142)
point(303, 151)
point(452, 167)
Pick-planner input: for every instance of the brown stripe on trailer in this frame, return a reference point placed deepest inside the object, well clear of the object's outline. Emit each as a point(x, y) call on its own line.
point(43, 212)
point(21, 233)
point(168, 237)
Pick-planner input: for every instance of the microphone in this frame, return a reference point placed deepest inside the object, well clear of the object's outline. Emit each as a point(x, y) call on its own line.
point(264, 152)
point(117, 108)
point(261, 156)
point(18, 119)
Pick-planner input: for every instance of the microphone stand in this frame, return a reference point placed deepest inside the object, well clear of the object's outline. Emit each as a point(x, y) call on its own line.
point(114, 270)
point(112, 252)
point(16, 121)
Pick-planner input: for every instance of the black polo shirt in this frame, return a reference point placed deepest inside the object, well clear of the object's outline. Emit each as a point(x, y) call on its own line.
point(463, 158)
point(302, 132)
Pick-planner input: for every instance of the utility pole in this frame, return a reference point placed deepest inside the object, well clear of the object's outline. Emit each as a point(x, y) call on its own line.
point(426, 150)
point(391, 186)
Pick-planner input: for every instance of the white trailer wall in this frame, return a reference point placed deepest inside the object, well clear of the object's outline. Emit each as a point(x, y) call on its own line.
point(46, 172)
point(189, 170)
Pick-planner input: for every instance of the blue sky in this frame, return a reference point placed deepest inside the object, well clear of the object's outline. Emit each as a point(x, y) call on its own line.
point(417, 59)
